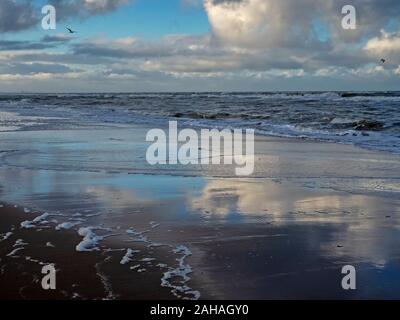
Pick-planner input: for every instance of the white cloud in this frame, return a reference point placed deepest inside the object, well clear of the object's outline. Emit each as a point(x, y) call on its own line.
point(260, 40)
point(387, 45)
point(242, 23)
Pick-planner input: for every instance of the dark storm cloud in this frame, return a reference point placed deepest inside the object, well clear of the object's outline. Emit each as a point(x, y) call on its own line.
point(34, 68)
point(103, 51)
point(64, 58)
point(10, 45)
point(139, 49)
point(18, 15)
point(60, 38)
point(122, 53)
point(85, 8)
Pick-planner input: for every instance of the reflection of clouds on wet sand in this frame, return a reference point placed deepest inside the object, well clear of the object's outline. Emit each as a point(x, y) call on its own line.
point(365, 228)
point(246, 197)
point(114, 197)
point(313, 208)
point(262, 197)
point(374, 241)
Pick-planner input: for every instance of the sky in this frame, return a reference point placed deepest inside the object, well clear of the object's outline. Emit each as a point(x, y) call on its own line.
point(199, 45)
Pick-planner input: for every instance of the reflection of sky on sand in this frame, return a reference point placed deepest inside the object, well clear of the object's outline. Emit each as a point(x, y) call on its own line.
point(365, 227)
point(263, 198)
point(361, 223)
point(152, 187)
point(304, 223)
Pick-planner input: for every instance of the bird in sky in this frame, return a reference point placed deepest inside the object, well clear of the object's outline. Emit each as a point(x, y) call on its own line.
point(70, 30)
point(383, 60)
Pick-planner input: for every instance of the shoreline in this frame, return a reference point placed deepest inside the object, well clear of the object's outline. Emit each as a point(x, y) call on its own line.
point(259, 133)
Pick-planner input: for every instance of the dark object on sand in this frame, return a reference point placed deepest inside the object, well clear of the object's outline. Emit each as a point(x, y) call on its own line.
point(369, 125)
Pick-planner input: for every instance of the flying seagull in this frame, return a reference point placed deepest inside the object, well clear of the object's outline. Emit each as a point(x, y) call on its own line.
point(383, 60)
point(70, 30)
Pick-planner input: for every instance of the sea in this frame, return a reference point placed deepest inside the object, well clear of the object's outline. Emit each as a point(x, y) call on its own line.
point(365, 119)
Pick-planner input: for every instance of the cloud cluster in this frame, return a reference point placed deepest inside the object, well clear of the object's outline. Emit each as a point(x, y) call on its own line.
point(289, 23)
point(85, 8)
point(252, 45)
point(385, 45)
point(17, 15)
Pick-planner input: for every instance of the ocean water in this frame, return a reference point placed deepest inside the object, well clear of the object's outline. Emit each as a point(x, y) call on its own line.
point(366, 119)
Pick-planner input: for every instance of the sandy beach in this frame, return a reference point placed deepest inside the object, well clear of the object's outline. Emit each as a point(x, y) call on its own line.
point(117, 228)
point(199, 153)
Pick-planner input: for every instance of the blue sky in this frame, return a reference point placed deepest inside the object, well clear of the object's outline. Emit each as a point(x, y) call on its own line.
point(140, 19)
point(136, 18)
point(199, 45)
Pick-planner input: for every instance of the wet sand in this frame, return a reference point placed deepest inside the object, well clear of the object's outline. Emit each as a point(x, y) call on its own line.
point(197, 232)
point(79, 275)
